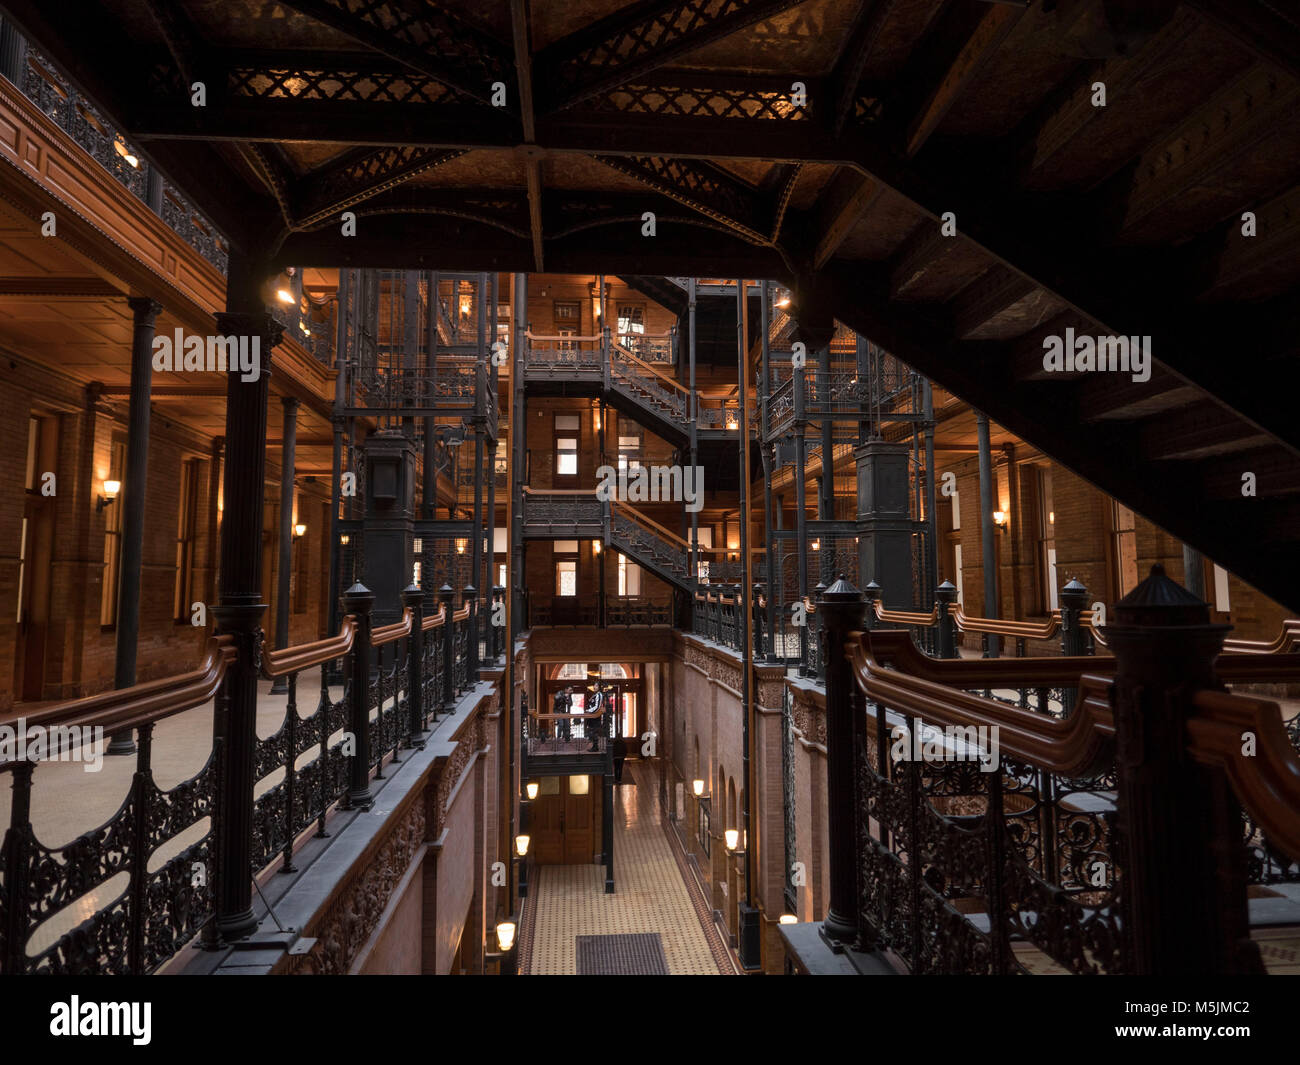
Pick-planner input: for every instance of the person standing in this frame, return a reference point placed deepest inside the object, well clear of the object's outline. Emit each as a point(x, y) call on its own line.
point(564, 705)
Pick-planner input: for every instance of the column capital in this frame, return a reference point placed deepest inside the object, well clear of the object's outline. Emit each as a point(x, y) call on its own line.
point(290, 404)
point(251, 323)
point(145, 309)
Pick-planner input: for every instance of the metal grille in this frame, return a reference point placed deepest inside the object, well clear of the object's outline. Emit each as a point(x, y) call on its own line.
point(641, 954)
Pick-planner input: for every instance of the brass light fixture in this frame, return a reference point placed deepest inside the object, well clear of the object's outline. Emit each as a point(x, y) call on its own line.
point(110, 494)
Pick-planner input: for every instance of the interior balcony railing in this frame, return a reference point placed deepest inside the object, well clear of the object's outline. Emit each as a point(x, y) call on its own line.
point(620, 611)
point(123, 897)
point(566, 742)
point(90, 129)
point(563, 513)
point(995, 850)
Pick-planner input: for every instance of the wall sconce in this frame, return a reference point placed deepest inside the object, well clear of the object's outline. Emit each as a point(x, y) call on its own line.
point(1051, 517)
point(345, 539)
point(787, 918)
point(531, 788)
point(111, 490)
point(460, 547)
point(284, 287)
point(505, 954)
point(1000, 518)
point(595, 547)
point(521, 844)
point(816, 545)
point(732, 838)
point(299, 530)
point(697, 786)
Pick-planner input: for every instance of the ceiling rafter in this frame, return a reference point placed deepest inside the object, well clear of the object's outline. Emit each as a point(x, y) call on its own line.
point(358, 175)
point(423, 35)
point(519, 25)
point(641, 38)
point(704, 188)
point(990, 31)
point(179, 33)
point(852, 61)
point(267, 162)
point(843, 203)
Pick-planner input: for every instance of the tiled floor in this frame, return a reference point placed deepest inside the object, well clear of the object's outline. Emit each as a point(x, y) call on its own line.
point(570, 900)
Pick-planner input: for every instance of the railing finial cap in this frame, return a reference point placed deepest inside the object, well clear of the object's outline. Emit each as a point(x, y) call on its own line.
point(358, 589)
point(1075, 585)
point(841, 591)
point(1161, 602)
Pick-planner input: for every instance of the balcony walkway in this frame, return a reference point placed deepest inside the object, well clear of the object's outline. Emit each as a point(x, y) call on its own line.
point(651, 896)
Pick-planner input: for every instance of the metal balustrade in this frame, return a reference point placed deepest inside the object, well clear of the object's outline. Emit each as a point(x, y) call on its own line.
point(396, 679)
point(975, 837)
point(91, 130)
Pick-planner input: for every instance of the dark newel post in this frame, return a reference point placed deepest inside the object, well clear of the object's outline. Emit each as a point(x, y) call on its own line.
point(360, 601)
point(946, 598)
point(476, 559)
point(429, 489)
point(988, 531)
point(131, 500)
point(240, 611)
point(446, 595)
point(490, 560)
point(1182, 860)
point(469, 598)
point(518, 446)
point(607, 832)
point(694, 433)
point(872, 595)
point(285, 560)
point(1074, 635)
point(841, 609)
point(413, 600)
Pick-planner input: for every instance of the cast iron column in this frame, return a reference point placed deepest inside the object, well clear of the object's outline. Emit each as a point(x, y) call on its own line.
point(131, 500)
point(284, 574)
point(988, 531)
point(841, 608)
point(336, 469)
point(240, 611)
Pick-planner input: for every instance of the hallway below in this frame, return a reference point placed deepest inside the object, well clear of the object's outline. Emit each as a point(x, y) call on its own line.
point(651, 899)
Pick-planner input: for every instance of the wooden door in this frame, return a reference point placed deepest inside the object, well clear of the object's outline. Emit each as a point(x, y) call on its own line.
point(547, 822)
point(579, 839)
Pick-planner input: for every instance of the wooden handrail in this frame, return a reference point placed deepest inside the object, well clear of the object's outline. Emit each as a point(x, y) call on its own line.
point(1081, 745)
point(1286, 641)
point(141, 704)
point(583, 339)
point(1024, 630)
point(559, 491)
point(906, 617)
point(1267, 782)
point(650, 369)
point(551, 716)
point(388, 633)
point(461, 614)
point(435, 620)
point(643, 520)
point(896, 648)
point(286, 660)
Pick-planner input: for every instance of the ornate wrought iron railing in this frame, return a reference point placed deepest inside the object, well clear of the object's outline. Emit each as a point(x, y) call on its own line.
point(124, 897)
point(91, 130)
point(985, 831)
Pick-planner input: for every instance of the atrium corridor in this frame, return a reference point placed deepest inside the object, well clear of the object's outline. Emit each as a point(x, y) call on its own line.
point(653, 897)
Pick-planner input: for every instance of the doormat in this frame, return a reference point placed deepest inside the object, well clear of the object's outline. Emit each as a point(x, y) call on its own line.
point(639, 954)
